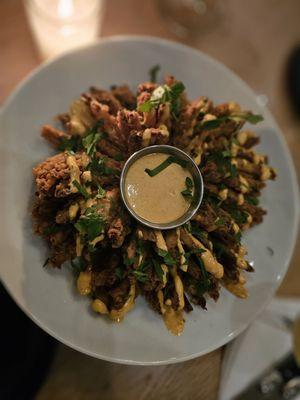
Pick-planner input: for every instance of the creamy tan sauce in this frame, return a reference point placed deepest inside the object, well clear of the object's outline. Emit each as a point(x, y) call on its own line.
point(84, 283)
point(173, 319)
point(73, 210)
point(238, 289)
point(99, 307)
point(79, 246)
point(210, 263)
point(118, 315)
point(157, 199)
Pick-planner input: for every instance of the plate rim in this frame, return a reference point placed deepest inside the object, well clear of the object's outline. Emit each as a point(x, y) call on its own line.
point(295, 195)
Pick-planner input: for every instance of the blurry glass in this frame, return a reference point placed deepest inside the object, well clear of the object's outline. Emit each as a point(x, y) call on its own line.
point(60, 25)
point(188, 18)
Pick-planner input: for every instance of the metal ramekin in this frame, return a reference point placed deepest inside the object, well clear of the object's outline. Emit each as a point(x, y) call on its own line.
point(192, 167)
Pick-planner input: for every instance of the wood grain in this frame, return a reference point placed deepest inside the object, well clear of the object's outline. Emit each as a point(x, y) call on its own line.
point(253, 38)
point(77, 377)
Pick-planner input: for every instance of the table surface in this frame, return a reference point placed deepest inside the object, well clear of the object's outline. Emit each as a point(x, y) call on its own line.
point(254, 39)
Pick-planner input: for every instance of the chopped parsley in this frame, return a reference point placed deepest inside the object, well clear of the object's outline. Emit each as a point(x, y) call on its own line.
point(238, 236)
point(90, 224)
point(81, 189)
point(164, 94)
point(129, 261)
point(140, 275)
point(201, 265)
point(89, 142)
point(98, 167)
point(212, 124)
point(243, 116)
point(239, 216)
point(100, 192)
point(168, 259)
point(219, 221)
point(194, 252)
point(72, 144)
point(223, 161)
point(248, 117)
point(188, 192)
point(196, 231)
point(168, 161)
point(153, 73)
point(158, 269)
point(226, 153)
point(252, 200)
point(204, 284)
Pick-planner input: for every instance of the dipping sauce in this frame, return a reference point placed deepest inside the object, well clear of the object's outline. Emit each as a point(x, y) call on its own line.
point(157, 199)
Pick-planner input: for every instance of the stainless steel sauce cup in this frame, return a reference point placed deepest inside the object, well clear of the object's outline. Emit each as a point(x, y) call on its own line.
point(191, 166)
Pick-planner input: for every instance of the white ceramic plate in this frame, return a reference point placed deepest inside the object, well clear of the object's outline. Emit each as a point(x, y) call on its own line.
point(48, 296)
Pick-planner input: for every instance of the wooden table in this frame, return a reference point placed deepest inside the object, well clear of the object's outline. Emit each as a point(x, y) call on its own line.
point(253, 38)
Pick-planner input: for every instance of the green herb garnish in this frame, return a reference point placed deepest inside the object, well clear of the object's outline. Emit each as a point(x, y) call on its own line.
point(50, 230)
point(202, 267)
point(163, 94)
point(202, 285)
point(197, 232)
point(81, 189)
point(90, 224)
point(238, 236)
point(98, 167)
point(239, 216)
point(153, 73)
point(252, 200)
point(212, 124)
point(219, 221)
point(140, 276)
point(223, 162)
point(170, 160)
point(89, 142)
point(100, 192)
point(168, 259)
point(188, 192)
point(193, 252)
point(72, 144)
point(235, 141)
point(158, 269)
point(129, 261)
point(226, 153)
point(215, 123)
point(248, 117)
